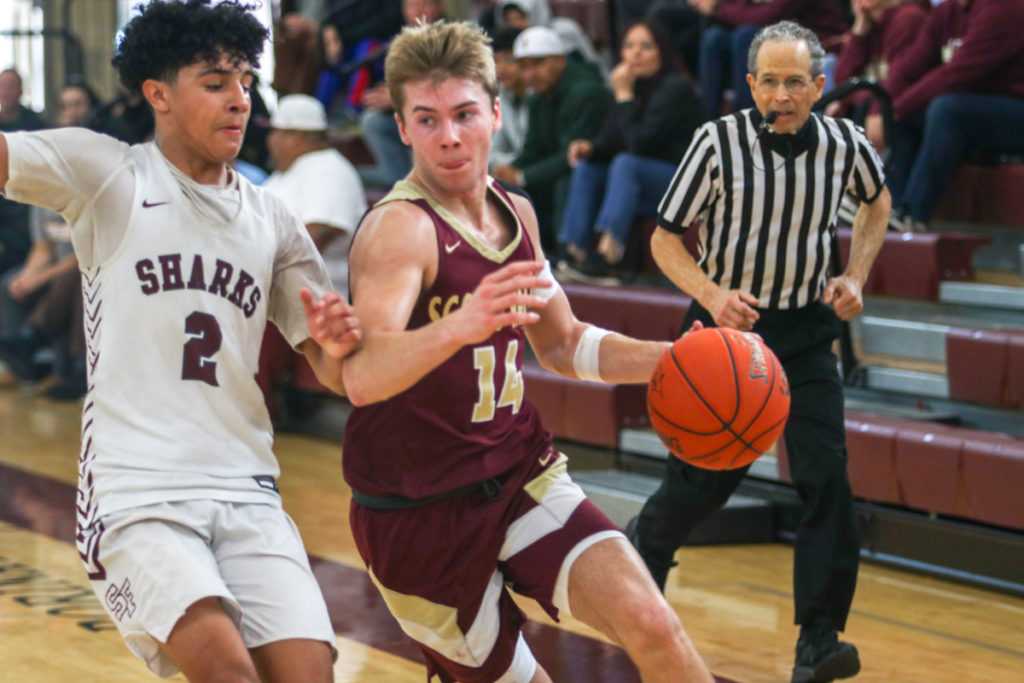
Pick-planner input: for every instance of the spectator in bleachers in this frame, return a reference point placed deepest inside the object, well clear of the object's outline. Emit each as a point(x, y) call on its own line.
point(315, 181)
point(14, 225)
point(380, 130)
point(523, 14)
point(684, 23)
point(624, 170)
point(40, 302)
point(958, 90)
point(569, 102)
point(485, 13)
point(354, 39)
point(77, 101)
point(881, 30)
point(323, 188)
point(512, 91)
point(731, 27)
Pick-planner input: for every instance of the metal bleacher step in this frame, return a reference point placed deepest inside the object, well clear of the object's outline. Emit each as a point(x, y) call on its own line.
point(898, 337)
point(620, 495)
point(917, 329)
point(924, 384)
point(976, 294)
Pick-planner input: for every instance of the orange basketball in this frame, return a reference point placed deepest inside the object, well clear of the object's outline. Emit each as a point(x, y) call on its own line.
point(718, 398)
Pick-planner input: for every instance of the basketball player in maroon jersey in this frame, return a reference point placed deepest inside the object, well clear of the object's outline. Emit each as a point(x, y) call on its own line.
point(457, 489)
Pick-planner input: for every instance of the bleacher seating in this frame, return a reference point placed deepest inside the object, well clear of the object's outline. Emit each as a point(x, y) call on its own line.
point(594, 413)
point(955, 471)
point(986, 366)
point(912, 264)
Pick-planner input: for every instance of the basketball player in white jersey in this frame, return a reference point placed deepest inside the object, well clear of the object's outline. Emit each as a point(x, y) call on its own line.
point(180, 524)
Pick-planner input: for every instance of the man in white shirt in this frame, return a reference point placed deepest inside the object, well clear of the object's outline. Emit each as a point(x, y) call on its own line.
point(324, 190)
point(180, 524)
point(315, 181)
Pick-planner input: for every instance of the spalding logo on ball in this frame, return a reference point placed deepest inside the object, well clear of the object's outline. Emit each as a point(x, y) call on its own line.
point(718, 398)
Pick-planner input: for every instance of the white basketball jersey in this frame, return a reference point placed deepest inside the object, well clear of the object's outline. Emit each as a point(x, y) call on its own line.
point(173, 323)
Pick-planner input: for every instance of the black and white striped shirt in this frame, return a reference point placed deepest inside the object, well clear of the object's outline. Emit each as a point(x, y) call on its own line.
point(769, 233)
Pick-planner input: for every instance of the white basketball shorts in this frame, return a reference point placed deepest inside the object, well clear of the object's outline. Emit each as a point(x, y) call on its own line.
point(157, 560)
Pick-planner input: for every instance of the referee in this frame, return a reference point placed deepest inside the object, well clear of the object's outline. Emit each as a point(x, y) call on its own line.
point(766, 184)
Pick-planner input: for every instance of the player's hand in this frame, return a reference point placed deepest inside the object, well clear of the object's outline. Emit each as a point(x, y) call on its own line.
point(733, 308)
point(843, 293)
point(697, 326)
point(332, 323)
point(502, 298)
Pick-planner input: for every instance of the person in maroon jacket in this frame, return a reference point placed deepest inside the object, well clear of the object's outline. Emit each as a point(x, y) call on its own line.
point(881, 30)
point(732, 24)
point(958, 89)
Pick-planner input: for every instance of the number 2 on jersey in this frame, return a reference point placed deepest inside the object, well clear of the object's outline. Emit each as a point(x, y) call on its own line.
point(205, 341)
point(511, 389)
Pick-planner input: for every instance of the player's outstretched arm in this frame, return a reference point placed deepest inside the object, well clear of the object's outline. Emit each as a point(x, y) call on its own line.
point(576, 349)
point(393, 259)
point(334, 333)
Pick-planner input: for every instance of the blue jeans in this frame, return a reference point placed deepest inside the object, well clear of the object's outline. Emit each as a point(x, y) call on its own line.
point(607, 197)
point(927, 148)
point(723, 55)
point(381, 133)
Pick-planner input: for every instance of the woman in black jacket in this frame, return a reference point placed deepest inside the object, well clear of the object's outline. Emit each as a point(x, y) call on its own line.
point(627, 168)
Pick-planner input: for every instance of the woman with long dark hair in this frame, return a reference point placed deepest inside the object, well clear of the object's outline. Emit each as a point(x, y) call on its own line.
point(624, 171)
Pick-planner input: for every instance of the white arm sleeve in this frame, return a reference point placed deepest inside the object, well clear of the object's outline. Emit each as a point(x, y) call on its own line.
point(83, 176)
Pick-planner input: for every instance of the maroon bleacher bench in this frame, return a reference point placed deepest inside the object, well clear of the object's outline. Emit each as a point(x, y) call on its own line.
point(912, 264)
point(992, 194)
point(986, 366)
point(590, 412)
point(641, 312)
point(935, 468)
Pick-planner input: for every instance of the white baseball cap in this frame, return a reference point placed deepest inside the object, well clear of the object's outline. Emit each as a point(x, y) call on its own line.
point(538, 41)
point(299, 112)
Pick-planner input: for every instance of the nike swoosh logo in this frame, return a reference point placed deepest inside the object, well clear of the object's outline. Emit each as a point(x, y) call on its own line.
point(147, 205)
point(451, 247)
point(546, 459)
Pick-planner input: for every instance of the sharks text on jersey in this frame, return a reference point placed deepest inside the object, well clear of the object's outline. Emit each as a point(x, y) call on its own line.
point(165, 273)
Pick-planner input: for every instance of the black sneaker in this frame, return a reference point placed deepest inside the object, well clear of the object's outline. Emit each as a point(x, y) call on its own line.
point(822, 657)
point(594, 270)
point(658, 569)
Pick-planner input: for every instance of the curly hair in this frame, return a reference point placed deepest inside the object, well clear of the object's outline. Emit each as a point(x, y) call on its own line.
point(170, 35)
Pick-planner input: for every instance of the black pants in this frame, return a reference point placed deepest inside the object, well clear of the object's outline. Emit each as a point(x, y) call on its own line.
point(827, 549)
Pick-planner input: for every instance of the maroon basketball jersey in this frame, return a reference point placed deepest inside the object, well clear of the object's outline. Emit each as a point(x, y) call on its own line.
point(466, 421)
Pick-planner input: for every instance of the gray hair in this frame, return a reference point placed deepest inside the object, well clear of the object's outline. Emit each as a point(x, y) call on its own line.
point(787, 32)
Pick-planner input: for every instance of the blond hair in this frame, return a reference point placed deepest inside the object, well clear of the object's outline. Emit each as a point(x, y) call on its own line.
point(439, 51)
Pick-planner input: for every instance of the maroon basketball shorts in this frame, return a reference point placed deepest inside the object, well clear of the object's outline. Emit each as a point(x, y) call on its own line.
point(444, 569)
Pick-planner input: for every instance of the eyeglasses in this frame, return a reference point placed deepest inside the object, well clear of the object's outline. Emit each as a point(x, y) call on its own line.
point(794, 84)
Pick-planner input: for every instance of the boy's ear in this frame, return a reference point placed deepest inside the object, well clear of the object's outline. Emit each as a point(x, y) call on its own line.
point(157, 93)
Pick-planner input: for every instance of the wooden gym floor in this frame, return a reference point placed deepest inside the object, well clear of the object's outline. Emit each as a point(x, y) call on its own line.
point(733, 600)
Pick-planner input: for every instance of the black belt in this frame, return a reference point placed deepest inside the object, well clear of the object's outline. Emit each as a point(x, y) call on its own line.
point(491, 489)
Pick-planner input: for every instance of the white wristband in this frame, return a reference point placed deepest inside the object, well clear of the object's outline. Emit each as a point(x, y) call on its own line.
point(548, 292)
point(587, 359)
